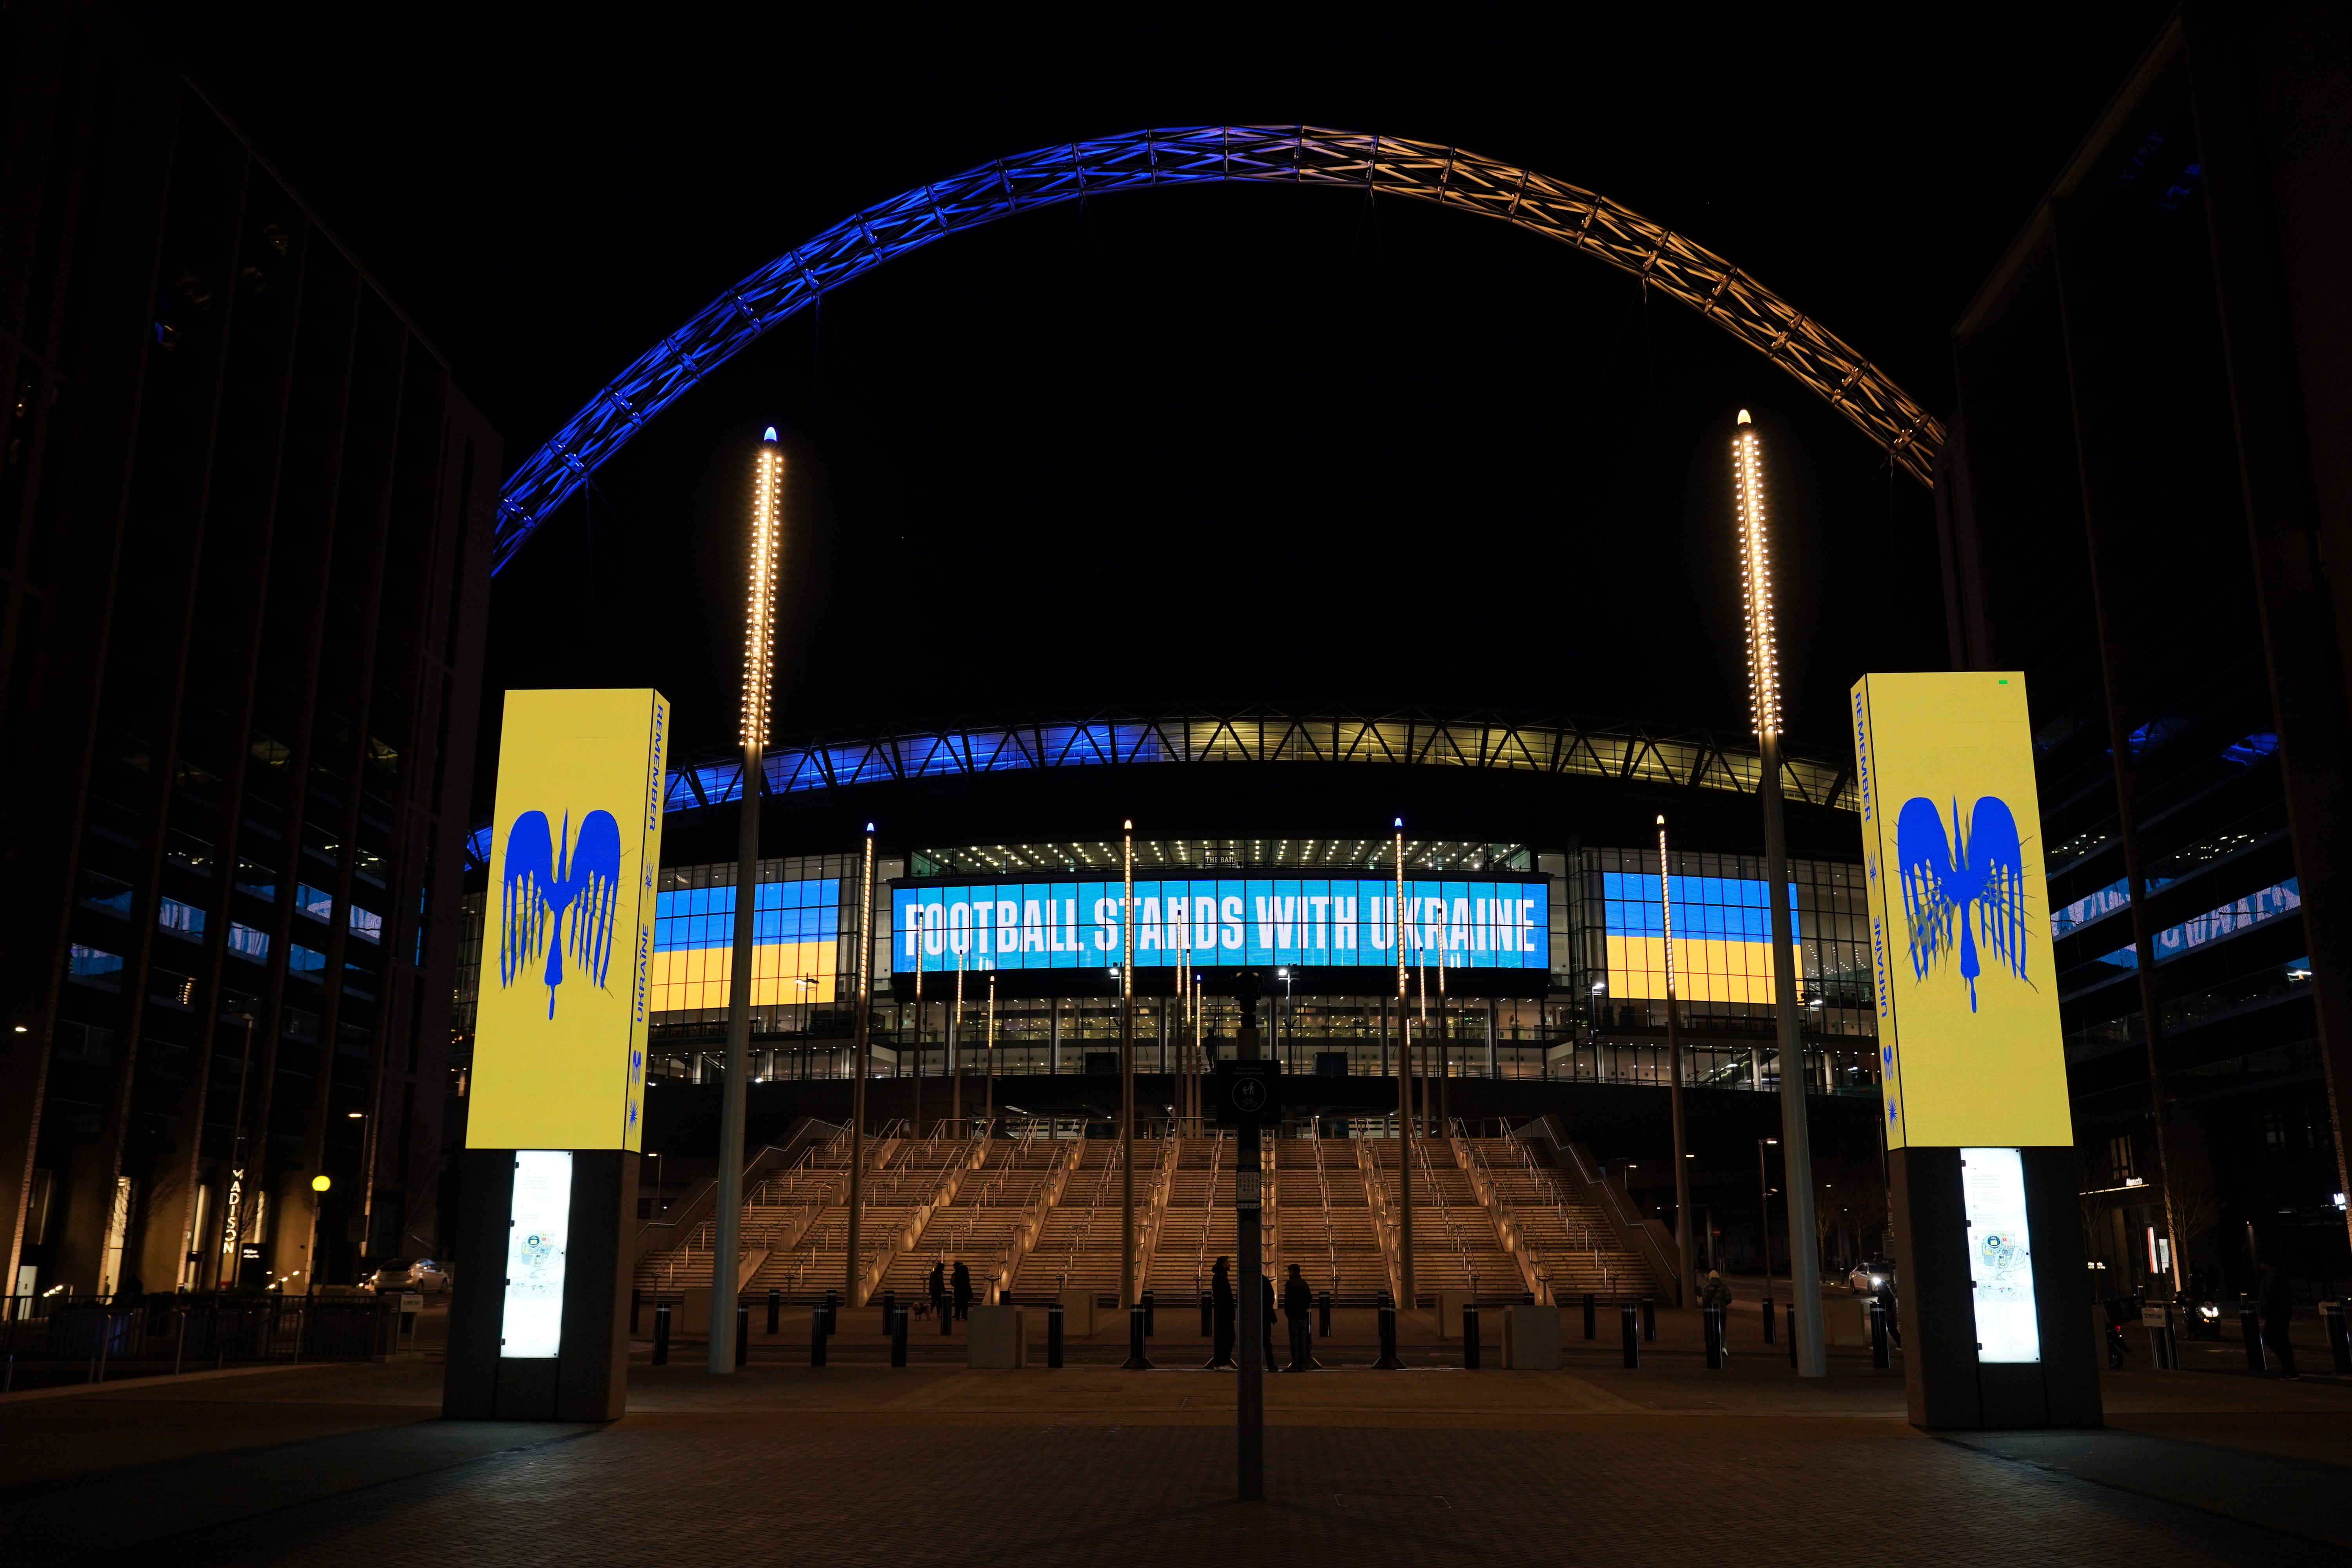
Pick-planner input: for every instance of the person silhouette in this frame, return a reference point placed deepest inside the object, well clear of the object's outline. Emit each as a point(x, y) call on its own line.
point(1223, 1307)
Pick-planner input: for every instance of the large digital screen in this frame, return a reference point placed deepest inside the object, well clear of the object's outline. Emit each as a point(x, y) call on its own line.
point(1970, 1048)
point(1723, 937)
point(1224, 923)
point(796, 944)
point(567, 948)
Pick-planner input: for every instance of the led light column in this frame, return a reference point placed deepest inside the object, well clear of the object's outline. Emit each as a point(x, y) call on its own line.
point(1764, 698)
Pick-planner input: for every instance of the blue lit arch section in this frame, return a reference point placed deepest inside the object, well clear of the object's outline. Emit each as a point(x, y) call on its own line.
point(1143, 160)
point(1257, 735)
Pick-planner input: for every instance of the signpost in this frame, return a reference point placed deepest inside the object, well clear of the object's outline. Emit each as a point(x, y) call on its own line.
point(1247, 1095)
point(1988, 1249)
point(547, 1200)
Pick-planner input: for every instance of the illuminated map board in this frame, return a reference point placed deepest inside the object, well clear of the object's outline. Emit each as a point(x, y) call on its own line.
point(1341, 922)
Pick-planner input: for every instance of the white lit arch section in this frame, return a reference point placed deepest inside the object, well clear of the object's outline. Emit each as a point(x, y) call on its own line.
point(1143, 160)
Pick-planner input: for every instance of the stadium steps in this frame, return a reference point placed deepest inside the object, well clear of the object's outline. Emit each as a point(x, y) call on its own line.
point(1573, 1247)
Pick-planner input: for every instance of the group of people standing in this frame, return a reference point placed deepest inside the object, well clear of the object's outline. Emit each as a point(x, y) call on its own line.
point(1297, 1304)
point(948, 1293)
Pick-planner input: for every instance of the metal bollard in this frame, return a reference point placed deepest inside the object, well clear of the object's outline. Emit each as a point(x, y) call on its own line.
point(1054, 1334)
point(1150, 1321)
point(1207, 1326)
point(947, 1316)
point(898, 1337)
point(1325, 1320)
point(816, 1337)
point(742, 1333)
point(1592, 1330)
point(775, 1307)
point(637, 1301)
point(1792, 1333)
point(1881, 1351)
point(1469, 1336)
point(890, 1310)
point(661, 1333)
point(1769, 1320)
point(1630, 1325)
point(1649, 1320)
point(2339, 1334)
point(1138, 1325)
point(1388, 1361)
point(1711, 1324)
point(832, 1312)
point(2250, 1325)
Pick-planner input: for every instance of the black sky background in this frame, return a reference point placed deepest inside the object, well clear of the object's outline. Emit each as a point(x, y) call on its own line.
point(1207, 445)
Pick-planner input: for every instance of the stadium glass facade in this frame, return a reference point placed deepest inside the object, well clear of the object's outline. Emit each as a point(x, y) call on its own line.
point(1592, 1010)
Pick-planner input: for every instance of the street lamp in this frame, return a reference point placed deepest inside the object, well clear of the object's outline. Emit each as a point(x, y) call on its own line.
point(1764, 1208)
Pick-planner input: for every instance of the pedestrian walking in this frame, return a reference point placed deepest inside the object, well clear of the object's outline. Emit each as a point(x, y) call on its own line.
point(2278, 1312)
point(1266, 1318)
point(1717, 1291)
point(939, 1287)
point(962, 1291)
point(1223, 1310)
point(1298, 1301)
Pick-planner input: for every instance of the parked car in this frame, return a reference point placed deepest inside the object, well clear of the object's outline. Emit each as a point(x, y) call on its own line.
point(420, 1274)
point(1868, 1277)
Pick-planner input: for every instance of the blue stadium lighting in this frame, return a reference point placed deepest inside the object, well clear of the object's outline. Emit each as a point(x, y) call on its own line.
point(1149, 160)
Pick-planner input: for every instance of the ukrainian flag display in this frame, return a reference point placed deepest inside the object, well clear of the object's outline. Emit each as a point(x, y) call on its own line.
point(1723, 937)
point(795, 951)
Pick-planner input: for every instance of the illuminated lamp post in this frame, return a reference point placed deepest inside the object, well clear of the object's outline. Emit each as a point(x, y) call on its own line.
point(759, 677)
point(1127, 1070)
point(1764, 698)
point(990, 1119)
point(1683, 1268)
point(955, 1041)
point(1404, 1090)
point(860, 1067)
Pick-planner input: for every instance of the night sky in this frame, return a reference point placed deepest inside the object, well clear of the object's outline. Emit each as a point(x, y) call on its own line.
point(1209, 444)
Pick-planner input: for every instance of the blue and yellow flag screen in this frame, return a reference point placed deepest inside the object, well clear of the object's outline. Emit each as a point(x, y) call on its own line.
point(568, 923)
point(1970, 1047)
point(1487, 923)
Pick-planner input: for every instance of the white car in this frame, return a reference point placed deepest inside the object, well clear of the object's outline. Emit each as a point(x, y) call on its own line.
point(420, 1274)
point(1868, 1277)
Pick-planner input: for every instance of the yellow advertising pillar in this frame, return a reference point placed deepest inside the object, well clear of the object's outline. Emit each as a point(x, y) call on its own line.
point(555, 1112)
point(1989, 1252)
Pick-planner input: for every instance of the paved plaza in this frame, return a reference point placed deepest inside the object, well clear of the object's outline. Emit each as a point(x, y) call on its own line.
point(858, 1462)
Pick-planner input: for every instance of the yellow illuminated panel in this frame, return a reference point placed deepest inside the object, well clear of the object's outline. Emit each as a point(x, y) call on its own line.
point(782, 974)
point(1969, 1042)
point(1707, 969)
point(568, 928)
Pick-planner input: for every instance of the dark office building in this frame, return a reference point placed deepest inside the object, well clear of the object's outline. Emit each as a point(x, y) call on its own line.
point(2140, 511)
point(244, 527)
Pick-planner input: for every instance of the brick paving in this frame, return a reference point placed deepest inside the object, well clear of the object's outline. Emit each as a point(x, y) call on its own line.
point(859, 1462)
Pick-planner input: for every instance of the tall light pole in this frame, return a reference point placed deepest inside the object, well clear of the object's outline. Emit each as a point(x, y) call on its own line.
point(759, 677)
point(1404, 1090)
point(860, 1058)
point(1127, 1069)
point(989, 1122)
point(1683, 1271)
point(1764, 698)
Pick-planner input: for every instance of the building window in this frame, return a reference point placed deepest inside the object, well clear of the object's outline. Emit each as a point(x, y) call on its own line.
point(249, 943)
point(304, 962)
point(309, 900)
point(2119, 1160)
point(94, 966)
point(366, 925)
point(181, 919)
